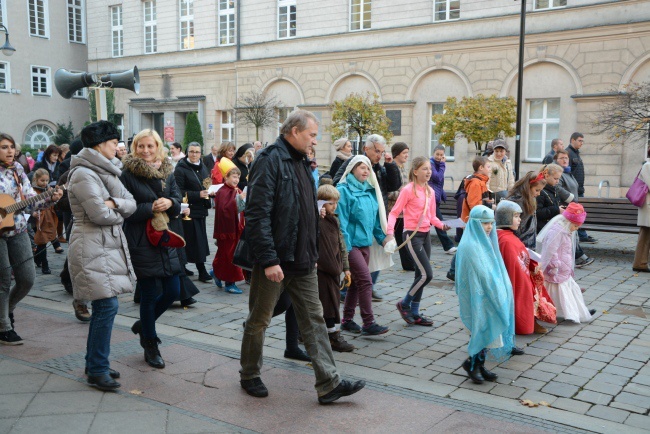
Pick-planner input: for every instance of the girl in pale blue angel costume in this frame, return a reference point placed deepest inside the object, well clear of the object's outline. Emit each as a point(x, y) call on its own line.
point(484, 295)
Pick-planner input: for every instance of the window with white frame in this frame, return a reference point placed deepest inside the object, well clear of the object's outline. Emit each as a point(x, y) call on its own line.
point(5, 77)
point(76, 21)
point(549, 4)
point(446, 10)
point(286, 19)
point(543, 126)
point(3, 12)
point(283, 113)
point(360, 14)
point(227, 126)
point(41, 81)
point(38, 18)
point(117, 31)
point(39, 136)
point(437, 108)
point(226, 22)
point(150, 27)
point(187, 24)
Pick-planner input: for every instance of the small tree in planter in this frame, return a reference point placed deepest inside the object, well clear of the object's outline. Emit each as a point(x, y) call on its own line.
point(192, 130)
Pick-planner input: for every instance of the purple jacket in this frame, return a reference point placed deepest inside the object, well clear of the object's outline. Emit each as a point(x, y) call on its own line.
point(437, 181)
point(557, 255)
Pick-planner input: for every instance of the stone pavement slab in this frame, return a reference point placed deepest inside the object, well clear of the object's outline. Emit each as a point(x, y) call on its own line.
point(581, 367)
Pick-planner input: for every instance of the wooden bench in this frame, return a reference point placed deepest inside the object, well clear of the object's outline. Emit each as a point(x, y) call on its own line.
point(603, 214)
point(610, 215)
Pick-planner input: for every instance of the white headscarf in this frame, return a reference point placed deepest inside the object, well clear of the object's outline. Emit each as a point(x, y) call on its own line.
point(372, 180)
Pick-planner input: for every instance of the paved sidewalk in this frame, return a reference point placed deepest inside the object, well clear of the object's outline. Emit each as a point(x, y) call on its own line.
point(594, 376)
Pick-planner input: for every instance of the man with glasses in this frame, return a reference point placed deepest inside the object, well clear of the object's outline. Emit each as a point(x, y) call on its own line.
point(388, 177)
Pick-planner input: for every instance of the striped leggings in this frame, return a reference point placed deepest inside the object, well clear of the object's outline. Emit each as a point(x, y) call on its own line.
point(420, 248)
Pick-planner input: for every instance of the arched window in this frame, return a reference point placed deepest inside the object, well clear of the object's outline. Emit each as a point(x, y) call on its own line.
point(39, 136)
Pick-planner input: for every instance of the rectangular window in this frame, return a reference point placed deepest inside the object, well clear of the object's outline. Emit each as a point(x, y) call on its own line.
point(286, 19)
point(150, 27)
point(227, 126)
point(5, 78)
point(76, 21)
point(549, 4)
point(438, 108)
point(226, 22)
point(446, 10)
point(360, 14)
point(38, 18)
point(187, 24)
point(283, 113)
point(3, 12)
point(117, 31)
point(543, 126)
point(41, 81)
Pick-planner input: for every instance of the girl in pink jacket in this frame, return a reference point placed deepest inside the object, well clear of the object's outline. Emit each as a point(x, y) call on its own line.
point(558, 242)
point(418, 203)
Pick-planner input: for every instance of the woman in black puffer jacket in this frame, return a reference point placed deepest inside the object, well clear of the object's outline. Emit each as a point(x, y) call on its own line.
point(149, 178)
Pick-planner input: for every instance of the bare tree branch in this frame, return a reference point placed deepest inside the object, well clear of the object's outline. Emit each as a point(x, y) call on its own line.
point(626, 119)
point(258, 110)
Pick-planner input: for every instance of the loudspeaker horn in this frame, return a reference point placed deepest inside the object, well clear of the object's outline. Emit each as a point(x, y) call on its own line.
point(123, 80)
point(67, 83)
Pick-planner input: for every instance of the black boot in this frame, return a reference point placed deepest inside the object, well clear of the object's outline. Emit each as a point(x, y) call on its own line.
point(151, 353)
point(11, 318)
point(473, 368)
point(136, 294)
point(487, 375)
point(136, 327)
point(203, 274)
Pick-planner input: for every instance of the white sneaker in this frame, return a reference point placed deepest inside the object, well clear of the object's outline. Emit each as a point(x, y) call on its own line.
point(451, 251)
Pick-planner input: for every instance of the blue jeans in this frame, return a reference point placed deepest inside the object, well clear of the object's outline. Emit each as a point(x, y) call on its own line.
point(98, 347)
point(154, 303)
point(374, 276)
point(447, 243)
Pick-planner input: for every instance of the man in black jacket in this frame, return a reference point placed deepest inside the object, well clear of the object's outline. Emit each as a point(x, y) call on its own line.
point(282, 233)
point(578, 171)
point(210, 159)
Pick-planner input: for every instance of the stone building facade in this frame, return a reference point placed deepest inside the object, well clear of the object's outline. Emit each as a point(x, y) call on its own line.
point(412, 54)
point(47, 35)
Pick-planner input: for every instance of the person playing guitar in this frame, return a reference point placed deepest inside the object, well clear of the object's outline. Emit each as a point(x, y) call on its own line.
point(15, 248)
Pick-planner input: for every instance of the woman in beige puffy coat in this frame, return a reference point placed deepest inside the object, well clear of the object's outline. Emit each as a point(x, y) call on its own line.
point(643, 221)
point(99, 261)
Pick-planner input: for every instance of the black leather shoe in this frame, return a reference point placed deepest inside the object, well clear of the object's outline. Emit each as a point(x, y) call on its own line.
point(297, 354)
point(255, 387)
point(450, 276)
point(112, 372)
point(205, 277)
point(592, 312)
point(345, 388)
point(152, 353)
point(516, 351)
point(136, 327)
point(188, 302)
point(475, 373)
point(641, 270)
point(188, 272)
point(103, 382)
point(487, 375)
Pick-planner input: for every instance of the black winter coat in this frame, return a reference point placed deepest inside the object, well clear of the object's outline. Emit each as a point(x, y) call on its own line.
point(189, 179)
point(147, 184)
point(388, 177)
point(577, 168)
point(548, 206)
point(336, 164)
point(54, 174)
point(272, 206)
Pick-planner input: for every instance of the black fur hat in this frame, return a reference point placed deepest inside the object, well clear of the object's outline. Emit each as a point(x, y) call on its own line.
point(76, 146)
point(98, 132)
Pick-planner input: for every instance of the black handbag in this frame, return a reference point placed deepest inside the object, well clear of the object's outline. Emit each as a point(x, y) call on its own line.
point(242, 257)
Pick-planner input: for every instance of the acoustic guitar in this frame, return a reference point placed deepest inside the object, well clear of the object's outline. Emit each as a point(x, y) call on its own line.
point(8, 207)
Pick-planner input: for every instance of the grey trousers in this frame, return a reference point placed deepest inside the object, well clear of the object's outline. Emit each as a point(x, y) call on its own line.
point(303, 291)
point(15, 253)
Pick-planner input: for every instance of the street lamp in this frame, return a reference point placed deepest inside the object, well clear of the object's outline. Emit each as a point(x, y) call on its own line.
point(7, 49)
point(520, 85)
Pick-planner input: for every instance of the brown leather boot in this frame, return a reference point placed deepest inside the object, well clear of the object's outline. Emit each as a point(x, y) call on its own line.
point(338, 343)
point(540, 330)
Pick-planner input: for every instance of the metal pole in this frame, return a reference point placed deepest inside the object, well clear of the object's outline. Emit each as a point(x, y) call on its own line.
point(520, 85)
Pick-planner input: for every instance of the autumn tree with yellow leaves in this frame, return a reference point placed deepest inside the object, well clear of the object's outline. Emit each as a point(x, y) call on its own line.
point(479, 119)
point(359, 115)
